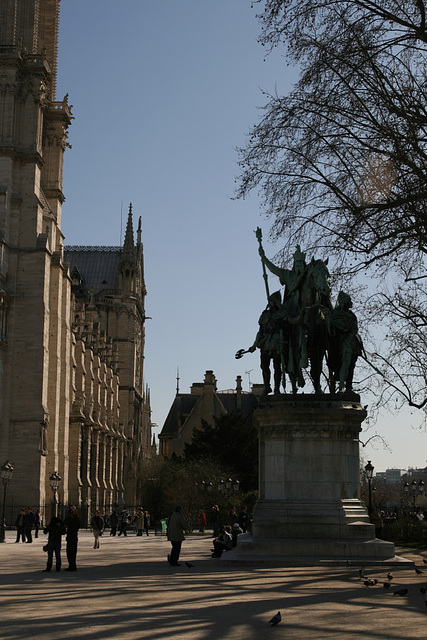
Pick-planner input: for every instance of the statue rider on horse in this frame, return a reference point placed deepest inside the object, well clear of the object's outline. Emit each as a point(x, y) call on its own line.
point(296, 358)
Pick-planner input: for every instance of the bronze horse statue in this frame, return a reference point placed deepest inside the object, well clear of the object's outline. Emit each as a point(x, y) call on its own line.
point(315, 301)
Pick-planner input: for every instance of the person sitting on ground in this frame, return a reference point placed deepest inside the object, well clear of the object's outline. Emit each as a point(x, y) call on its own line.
point(244, 519)
point(224, 542)
point(236, 531)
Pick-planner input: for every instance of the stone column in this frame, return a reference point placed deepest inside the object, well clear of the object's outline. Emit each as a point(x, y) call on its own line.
point(309, 504)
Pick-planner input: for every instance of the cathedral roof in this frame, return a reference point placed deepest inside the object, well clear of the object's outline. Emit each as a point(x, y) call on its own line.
point(98, 266)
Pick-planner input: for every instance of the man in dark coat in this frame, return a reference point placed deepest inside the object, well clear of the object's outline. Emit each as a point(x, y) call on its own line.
point(20, 526)
point(114, 521)
point(72, 523)
point(29, 521)
point(176, 528)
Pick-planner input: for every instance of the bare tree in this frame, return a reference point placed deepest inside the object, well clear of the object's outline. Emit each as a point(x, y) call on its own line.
point(341, 161)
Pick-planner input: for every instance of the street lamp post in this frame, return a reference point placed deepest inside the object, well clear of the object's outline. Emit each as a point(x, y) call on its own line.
point(229, 485)
point(369, 472)
point(6, 476)
point(55, 480)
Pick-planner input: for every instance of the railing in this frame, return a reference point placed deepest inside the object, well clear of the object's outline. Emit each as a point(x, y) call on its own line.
point(405, 530)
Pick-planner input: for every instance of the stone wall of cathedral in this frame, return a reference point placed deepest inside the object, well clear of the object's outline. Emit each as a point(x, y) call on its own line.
point(71, 387)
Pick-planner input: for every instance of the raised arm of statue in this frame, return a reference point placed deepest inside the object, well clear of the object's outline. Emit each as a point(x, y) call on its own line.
point(282, 274)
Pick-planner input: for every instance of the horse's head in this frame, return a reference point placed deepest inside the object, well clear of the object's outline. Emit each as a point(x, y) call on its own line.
point(318, 276)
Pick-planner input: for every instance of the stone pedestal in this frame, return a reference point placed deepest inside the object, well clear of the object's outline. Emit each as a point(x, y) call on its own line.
point(309, 504)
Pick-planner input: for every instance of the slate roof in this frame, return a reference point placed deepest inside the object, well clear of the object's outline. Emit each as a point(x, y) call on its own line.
point(185, 402)
point(98, 266)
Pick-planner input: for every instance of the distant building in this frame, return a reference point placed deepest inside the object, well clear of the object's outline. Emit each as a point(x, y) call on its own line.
point(394, 475)
point(204, 401)
point(380, 475)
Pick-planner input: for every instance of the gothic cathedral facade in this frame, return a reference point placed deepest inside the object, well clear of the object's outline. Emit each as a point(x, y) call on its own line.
point(72, 395)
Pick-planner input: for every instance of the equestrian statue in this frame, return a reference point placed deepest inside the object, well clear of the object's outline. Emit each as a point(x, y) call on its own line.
point(302, 329)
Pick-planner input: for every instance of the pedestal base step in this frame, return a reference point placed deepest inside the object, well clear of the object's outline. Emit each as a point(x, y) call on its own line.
point(316, 549)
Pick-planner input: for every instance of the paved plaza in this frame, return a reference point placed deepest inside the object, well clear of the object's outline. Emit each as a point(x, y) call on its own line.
point(127, 590)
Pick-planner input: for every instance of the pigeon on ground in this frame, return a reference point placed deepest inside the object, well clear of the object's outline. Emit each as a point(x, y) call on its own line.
point(189, 565)
point(387, 585)
point(370, 582)
point(418, 571)
point(425, 561)
point(275, 619)
point(401, 592)
point(389, 576)
point(423, 589)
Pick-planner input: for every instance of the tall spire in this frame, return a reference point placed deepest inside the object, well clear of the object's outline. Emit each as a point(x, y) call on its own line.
point(128, 244)
point(128, 259)
point(139, 232)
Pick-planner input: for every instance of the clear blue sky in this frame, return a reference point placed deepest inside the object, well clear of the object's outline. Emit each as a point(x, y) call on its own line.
point(163, 91)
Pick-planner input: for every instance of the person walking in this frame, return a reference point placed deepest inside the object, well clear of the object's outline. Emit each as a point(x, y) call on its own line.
point(124, 520)
point(175, 535)
point(29, 521)
point(97, 525)
point(214, 520)
point(146, 522)
point(20, 526)
point(72, 523)
point(114, 521)
point(55, 530)
point(139, 521)
point(37, 523)
point(202, 521)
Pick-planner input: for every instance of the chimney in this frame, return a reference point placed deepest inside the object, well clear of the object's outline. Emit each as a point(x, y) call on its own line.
point(239, 393)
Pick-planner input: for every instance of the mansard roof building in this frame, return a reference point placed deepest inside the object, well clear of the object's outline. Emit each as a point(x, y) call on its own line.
point(72, 395)
point(203, 403)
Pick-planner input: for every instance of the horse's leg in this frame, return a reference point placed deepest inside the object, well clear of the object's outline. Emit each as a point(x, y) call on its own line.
point(316, 358)
point(294, 385)
point(278, 374)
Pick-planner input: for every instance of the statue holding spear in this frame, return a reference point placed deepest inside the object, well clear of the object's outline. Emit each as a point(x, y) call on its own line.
point(269, 339)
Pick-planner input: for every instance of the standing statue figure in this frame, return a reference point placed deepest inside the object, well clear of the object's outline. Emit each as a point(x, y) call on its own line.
point(294, 336)
point(269, 340)
point(345, 342)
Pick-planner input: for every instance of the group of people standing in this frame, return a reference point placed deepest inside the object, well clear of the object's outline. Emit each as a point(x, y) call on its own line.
point(225, 536)
point(25, 522)
point(119, 522)
point(55, 530)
